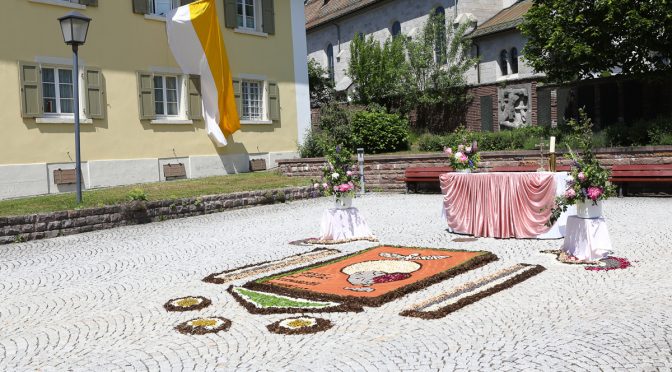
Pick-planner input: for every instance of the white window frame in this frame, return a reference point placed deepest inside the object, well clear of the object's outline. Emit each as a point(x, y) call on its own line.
point(262, 100)
point(72, 4)
point(152, 7)
point(246, 78)
point(179, 82)
point(62, 118)
point(182, 97)
point(257, 17)
point(57, 90)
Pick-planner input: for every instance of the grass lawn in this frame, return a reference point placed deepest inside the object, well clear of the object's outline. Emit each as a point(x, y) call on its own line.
point(153, 191)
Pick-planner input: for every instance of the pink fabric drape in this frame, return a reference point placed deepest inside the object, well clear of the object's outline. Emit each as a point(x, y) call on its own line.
point(498, 205)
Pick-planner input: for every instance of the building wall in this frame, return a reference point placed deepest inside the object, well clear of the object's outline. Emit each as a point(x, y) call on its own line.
point(377, 21)
point(489, 48)
point(121, 43)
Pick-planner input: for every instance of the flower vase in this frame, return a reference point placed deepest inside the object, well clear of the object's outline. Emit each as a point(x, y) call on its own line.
point(343, 202)
point(588, 209)
point(467, 170)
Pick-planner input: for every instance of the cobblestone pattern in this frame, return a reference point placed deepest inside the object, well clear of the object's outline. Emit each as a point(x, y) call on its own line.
point(385, 172)
point(51, 225)
point(94, 301)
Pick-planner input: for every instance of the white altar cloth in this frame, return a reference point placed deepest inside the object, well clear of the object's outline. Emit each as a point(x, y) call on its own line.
point(587, 238)
point(344, 224)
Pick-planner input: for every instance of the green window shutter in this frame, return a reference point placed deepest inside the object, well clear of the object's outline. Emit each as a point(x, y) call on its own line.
point(230, 14)
point(31, 90)
point(95, 103)
point(237, 94)
point(268, 17)
point(140, 6)
point(89, 2)
point(146, 95)
point(195, 104)
point(273, 101)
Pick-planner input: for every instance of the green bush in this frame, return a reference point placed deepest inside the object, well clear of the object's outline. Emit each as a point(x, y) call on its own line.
point(315, 144)
point(137, 194)
point(640, 133)
point(377, 131)
point(430, 142)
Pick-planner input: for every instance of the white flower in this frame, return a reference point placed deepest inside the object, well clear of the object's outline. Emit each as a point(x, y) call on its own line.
point(335, 175)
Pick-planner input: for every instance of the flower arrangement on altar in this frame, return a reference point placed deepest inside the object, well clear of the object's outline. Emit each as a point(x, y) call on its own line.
point(464, 157)
point(588, 181)
point(339, 175)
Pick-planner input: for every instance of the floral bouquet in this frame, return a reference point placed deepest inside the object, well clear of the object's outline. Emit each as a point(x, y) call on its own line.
point(588, 180)
point(339, 175)
point(465, 157)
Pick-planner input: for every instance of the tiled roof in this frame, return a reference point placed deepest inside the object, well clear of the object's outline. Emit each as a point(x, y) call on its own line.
point(505, 20)
point(317, 12)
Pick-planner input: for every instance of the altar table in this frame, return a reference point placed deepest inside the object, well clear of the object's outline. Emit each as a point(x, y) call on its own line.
point(503, 204)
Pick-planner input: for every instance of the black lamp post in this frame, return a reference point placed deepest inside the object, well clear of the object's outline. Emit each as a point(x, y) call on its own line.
point(75, 26)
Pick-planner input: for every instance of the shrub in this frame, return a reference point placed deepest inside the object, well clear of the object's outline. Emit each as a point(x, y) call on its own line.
point(377, 131)
point(315, 145)
point(430, 142)
point(137, 195)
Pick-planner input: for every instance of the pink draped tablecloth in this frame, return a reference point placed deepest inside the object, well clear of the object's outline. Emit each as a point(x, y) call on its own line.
point(498, 205)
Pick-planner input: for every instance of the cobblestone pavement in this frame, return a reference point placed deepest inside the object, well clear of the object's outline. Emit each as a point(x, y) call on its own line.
point(94, 301)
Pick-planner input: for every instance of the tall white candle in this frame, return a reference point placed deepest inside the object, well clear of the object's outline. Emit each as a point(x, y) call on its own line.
point(552, 149)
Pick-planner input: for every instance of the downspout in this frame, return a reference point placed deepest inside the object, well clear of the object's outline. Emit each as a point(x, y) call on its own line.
point(455, 10)
point(338, 36)
point(478, 64)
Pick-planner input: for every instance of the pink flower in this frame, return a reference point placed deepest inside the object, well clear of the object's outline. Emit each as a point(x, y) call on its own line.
point(460, 148)
point(348, 173)
point(325, 185)
point(468, 150)
point(336, 188)
point(582, 176)
point(594, 193)
point(351, 184)
point(448, 150)
point(570, 194)
point(464, 158)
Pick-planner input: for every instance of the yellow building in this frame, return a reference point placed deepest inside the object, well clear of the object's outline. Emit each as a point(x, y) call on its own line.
point(125, 61)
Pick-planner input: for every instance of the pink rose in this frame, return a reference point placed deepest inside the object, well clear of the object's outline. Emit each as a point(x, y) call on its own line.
point(582, 176)
point(594, 193)
point(349, 173)
point(570, 194)
point(351, 184)
point(325, 185)
point(464, 158)
point(448, 151)
point(336, 188)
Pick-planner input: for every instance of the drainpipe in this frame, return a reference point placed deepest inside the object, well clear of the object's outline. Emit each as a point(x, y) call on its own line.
point(338, 36)
point(478, 64)
point(455, 10)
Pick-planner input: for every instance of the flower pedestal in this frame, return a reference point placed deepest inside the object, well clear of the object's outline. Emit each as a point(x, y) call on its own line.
point(342, 225)
point(587, 238)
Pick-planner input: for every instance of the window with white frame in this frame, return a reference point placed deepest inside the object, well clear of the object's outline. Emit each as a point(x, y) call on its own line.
point(253, 100)
point(167, 95)
point(247, 14)
point(161, 7)
point(57, 91)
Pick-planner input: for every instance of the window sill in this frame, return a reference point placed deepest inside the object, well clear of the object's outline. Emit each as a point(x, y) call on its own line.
point(62, 120)
point(59, 3)
point(171, 121)
point(154, 17)
point(248, 31)
point(508, 77)
point(256, 122)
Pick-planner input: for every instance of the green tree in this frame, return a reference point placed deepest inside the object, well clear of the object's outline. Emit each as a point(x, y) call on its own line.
point(378, 71)
point(576, 39)
point(320, 86)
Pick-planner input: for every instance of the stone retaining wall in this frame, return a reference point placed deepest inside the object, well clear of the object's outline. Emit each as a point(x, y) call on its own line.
point(383, 172)
point(49, 225)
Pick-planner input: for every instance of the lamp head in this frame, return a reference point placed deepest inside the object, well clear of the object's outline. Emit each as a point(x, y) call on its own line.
point(75, 27)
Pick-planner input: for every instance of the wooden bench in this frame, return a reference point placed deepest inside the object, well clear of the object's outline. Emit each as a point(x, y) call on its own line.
point(528, 168)
point(622, 174)
point(424, 174)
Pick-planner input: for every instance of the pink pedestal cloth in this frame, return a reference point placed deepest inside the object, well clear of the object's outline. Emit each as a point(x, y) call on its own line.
point(587, 238)
point(498, 205)
point(346, 224)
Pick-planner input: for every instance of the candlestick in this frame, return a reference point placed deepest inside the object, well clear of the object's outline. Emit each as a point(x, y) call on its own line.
point(552, 147)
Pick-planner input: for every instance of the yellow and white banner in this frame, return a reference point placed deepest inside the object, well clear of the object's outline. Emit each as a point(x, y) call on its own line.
point(196, 41)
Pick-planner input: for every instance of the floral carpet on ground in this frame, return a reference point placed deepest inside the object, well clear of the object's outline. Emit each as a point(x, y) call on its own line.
point(373, 276)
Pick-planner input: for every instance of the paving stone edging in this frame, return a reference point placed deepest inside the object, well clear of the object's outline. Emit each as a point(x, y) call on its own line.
point(49, 225)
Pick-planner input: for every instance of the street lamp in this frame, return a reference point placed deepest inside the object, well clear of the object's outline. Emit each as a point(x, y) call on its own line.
point(75, 27)
point(360, 160)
